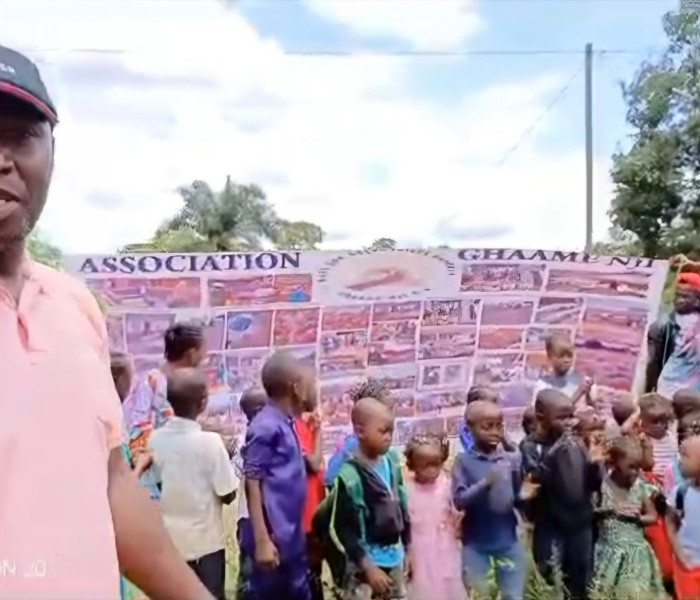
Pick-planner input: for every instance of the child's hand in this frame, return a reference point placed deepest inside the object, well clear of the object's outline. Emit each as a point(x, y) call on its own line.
point(529, 489)
point(408, 568)
point(266, 556)
point(598, 451)
point(378, 580)
point(585, 387)
point(142, 463)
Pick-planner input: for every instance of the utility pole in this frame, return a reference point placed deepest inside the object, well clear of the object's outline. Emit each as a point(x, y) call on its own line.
point(589, 147)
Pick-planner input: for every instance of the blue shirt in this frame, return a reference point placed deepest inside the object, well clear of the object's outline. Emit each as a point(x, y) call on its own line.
point(465, 437)
point(341, 456)
point(490, 522)
point(689, 532)
point(273, 456)
point(387, 557)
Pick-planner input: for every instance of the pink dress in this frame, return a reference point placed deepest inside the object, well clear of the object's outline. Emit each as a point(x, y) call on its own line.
point(436, 560)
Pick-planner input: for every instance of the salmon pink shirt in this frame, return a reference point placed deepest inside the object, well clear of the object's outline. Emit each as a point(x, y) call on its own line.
point(59, 419)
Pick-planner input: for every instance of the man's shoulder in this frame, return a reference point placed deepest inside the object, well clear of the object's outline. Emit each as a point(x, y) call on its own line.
point(67, 288)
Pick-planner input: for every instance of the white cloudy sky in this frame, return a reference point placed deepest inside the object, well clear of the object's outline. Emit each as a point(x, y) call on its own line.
point(155, 93)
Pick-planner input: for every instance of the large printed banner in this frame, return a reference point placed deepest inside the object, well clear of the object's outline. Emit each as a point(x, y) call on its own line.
point(429, 323)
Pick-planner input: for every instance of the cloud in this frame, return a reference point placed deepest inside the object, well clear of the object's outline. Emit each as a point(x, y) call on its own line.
point(431, 25)
point(336, 141)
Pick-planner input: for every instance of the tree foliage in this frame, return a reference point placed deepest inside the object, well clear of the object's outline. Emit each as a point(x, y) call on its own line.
point(43, 251)
point(657, 182)
point(237, 218)
point(382, 244)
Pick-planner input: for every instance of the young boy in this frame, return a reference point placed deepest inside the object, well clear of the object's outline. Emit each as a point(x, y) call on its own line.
point(251, 403)
point(372, 388)
point(562, 376)
point(684, 523)
point(275, 482)
point(486, 482)
point(476, 393)
point(196, 477)
point(568, 476)
point(369, 510)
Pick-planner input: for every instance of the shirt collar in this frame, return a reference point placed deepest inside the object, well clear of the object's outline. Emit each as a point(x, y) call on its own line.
point(183, 424)
point(493, 456)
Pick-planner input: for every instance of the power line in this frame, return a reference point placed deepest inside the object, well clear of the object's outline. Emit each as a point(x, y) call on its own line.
point(526, 134)
point(388, 53)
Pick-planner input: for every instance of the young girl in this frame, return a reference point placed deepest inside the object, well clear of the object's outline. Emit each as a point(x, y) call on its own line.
point(434, 552)
point(625, 564)
point(688, 426)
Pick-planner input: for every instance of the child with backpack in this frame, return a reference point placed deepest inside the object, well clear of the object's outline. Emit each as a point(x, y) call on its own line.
point(684, 523)
point(363, 524)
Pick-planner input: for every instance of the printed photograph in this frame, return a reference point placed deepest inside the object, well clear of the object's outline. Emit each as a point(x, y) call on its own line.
point(612, 325)
point(141, 292)
point(391, 353)
point(216, 371)
point(395, 377)
point(437, 375)
point(215, 332)
point(507, 312)
point(394, 331)
point(513, 424)
point(244, 291)
point(296, 326)
point(243, 369)
point(144, 332)
point(453, 425)
point(250, 329)
point(519, 394)
point(536, 336)
point(496, 277)
point(536, 365)
point(115, 333)
point(498, 369)
point(607, 367)
point(450, 312)
point(559, 311)
point(335, 402)
point(404, 403)
point(306, 355)
point(343, 353)
point(339, 318)
point(293, 287)
point(408, 427)
point(501, 338)
point(446, 342)
point(437, 402)
point(221, 415)
point(396, 311)
point(143, 365)
point(633, 283)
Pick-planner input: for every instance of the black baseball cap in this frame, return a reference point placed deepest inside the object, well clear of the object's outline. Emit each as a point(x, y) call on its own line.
point(20, 78)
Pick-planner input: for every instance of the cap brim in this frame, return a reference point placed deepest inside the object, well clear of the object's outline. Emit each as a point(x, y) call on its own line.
point(33, 101)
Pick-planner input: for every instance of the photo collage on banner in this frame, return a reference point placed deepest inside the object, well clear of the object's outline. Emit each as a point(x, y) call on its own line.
point(427, 323)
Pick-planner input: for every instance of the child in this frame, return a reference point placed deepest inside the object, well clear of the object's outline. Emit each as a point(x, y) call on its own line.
point(251, 403)
point(196, 478)
point(528, 422)
point(684, 523)
point(368, 511)
point(688, 426)
point(562, 376)
point(475, 393)
point(122, 375)
point(685, 401)
point(309, 432)
point(275, 482)
point(625, 565)
point(434, 553)
point(568, 476)
point(485, 485)
point(372, 388)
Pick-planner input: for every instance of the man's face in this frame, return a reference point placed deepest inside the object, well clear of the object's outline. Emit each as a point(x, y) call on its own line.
point(26, 162)
point(687, 300)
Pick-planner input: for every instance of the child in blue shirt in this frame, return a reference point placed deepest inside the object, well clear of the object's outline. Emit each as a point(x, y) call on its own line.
point(486, 484)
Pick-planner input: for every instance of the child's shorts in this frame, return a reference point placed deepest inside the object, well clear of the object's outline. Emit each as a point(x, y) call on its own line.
point(357, 589)
point(686, 582)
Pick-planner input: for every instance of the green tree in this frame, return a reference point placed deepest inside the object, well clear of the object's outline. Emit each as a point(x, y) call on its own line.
point(237, 218)
point(382, 244)
point(657, 182)
point(43, 251)
point(619, 243)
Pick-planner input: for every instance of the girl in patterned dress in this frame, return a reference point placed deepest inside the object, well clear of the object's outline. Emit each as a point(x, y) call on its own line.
point(626, 567)
point(434, 553)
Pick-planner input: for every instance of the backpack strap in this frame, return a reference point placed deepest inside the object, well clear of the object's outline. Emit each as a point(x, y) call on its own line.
point(681, 493)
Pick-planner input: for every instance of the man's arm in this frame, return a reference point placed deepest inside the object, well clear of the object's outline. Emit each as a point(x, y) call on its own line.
point(147, 556)
point(655, 344)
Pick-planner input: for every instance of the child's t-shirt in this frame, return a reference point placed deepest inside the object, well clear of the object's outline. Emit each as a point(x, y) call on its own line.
point(567, 384)
point(314, 481)
point(689, 532)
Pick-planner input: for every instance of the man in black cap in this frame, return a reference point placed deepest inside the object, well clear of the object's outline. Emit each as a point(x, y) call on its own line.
point(71, 513)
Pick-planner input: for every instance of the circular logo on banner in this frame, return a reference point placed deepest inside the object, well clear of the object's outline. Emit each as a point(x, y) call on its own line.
point(385, 275)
